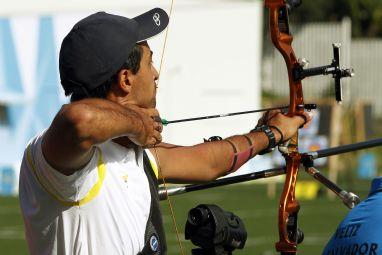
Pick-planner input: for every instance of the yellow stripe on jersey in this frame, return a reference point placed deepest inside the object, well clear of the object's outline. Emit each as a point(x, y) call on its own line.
point(154, 167)
point(153, 163)
point(93, 192)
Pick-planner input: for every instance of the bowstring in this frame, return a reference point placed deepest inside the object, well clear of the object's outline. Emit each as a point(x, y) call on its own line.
point(165, 40)
point(156, 153)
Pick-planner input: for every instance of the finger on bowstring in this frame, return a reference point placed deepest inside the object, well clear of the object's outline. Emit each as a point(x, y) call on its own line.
point(158, 137)
point(152, 142)
point(158, 126)
point(157, 119)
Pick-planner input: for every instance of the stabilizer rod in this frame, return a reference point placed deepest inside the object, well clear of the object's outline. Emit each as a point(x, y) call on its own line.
point(344, 149)
point(220, 182)
point(348, 198)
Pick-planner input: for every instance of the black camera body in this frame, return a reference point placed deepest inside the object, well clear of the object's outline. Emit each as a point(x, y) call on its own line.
point(215, 231)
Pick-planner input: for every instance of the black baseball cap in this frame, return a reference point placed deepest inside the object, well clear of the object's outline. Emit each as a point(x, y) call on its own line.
point(98, 45)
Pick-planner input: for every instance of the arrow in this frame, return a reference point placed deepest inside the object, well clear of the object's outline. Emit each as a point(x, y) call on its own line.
point(165, 122)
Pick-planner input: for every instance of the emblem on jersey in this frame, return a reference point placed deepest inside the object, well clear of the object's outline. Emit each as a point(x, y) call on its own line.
point(125, 178)
point(154, 243)
point(156, 19)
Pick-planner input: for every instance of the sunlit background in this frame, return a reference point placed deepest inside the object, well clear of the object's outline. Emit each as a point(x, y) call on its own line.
point(217, 59)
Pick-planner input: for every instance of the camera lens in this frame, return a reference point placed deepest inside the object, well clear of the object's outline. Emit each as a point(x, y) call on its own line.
point(198, 216)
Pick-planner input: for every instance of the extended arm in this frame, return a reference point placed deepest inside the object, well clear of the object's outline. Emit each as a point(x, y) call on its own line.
point(208, 161)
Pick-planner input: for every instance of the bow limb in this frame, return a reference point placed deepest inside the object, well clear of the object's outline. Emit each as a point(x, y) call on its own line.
point(288, 206)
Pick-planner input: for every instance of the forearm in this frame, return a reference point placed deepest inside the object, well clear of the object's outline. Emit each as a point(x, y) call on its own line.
point(68, 143)
point(96, 120)
point(207, 161)
point(211, 160)
point(233, 152)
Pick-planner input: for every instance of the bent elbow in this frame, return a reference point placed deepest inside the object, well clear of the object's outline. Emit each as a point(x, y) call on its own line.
point(76, 113)
point(78, 121)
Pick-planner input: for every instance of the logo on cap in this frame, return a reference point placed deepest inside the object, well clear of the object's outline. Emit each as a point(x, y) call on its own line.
point(156, 19)
point(154, 244)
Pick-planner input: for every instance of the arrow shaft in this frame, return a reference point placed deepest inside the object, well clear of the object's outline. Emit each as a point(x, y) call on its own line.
point(223, 115)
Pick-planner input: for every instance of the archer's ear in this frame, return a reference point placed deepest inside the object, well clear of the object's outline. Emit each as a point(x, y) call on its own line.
point(125, 80)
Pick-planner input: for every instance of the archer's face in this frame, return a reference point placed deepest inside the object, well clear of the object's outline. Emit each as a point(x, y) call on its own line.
point(144, 83)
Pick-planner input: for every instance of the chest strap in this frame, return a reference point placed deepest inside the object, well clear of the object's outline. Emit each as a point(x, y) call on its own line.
point(155, 239)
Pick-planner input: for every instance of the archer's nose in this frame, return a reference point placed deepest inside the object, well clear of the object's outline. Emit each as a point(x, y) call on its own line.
point(155, 73)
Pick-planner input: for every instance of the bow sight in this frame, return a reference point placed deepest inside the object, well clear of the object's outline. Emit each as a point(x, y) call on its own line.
point(299, 73)
point(334, 69)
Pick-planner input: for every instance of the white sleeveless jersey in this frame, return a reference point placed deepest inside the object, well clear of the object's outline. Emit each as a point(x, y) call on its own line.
point(101, 209)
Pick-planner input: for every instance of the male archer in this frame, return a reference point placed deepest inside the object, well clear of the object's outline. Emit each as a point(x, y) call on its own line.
point(86, 186)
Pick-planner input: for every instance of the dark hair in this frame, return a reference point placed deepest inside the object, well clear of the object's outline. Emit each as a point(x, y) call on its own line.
point(101, 91)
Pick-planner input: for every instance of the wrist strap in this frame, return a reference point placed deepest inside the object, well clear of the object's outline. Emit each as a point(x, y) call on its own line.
point(271, 138)
point(235, 156)
point(281, 134)
point(250, 146)
point(240, 158)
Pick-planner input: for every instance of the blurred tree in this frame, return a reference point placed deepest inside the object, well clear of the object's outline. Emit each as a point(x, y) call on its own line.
point(366, 15)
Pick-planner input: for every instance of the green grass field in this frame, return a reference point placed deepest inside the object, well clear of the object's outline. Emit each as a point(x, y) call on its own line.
point(318, 218)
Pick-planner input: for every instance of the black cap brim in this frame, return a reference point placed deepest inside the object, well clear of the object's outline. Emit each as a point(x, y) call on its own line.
point(151, 23)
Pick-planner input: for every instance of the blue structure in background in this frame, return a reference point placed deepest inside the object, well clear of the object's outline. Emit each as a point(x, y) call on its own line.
point(25, 117)
point(7, 180)
point(367, 166)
